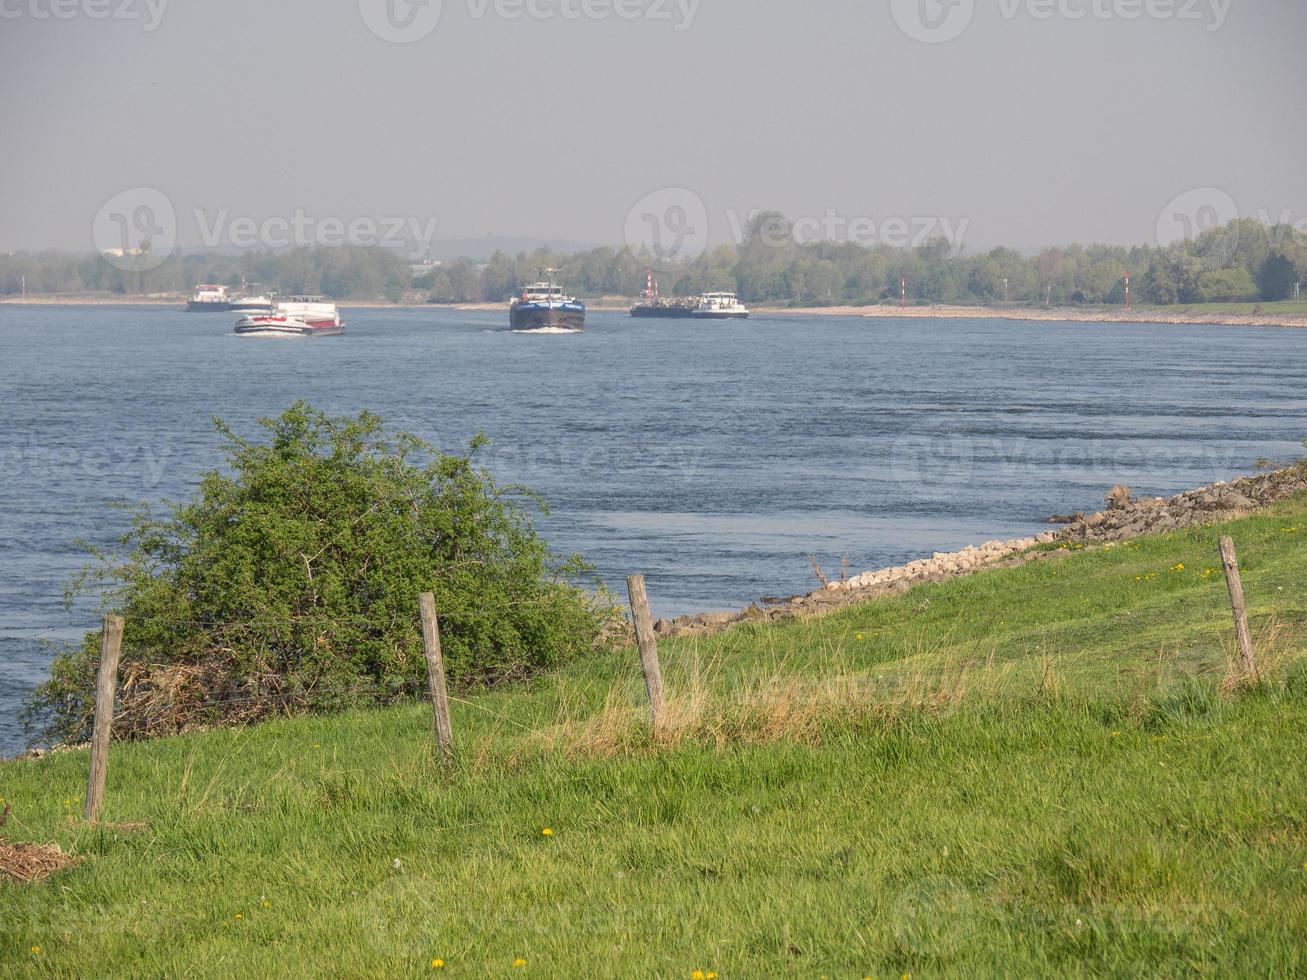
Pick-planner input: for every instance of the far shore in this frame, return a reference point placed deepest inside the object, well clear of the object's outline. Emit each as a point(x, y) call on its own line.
point(1075, 314)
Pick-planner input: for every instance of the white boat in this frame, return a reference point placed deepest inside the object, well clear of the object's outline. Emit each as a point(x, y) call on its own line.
point(720, 306)
point(300, 316)
point(208, 299)
point(248, 305)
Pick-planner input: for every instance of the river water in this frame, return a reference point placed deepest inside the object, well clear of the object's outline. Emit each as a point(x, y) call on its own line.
point(715, 457)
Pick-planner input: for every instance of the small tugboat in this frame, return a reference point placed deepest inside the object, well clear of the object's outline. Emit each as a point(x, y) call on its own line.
point(720, 306)
point(209, 299)
point(653, 305)
point(300, 316)
point(542, 306)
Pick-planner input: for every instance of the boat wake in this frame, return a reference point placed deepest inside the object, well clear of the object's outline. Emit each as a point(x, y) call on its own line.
point(549, 330)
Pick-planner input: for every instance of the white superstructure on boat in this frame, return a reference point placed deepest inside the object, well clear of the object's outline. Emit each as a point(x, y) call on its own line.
point(247, 305)
point(720, 306)
point(208, 299)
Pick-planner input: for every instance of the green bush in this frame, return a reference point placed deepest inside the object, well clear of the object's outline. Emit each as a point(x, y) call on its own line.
point(290, 582)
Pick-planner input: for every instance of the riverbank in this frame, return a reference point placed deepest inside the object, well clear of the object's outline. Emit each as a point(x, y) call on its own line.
point(1186, 315)
point(1034, 770)
point(1071, 314)
point(1124, 518)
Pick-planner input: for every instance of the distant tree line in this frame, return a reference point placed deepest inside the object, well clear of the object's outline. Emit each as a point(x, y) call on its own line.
point(1244, 261)
point(345, 272)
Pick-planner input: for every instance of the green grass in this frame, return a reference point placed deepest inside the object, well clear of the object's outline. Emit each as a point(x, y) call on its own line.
point(1288, 306)
point(1023, 773)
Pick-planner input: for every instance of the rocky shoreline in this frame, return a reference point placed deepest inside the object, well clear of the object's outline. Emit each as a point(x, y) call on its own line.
point(1123, 518)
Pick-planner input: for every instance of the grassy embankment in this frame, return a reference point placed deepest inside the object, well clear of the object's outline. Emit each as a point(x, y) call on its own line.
point(1024, 772)
point(1288, 307)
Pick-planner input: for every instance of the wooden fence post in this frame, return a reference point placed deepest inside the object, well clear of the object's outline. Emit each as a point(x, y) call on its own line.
point(106, 689)
point(436, 675)
point(1230, 561)
point(648, 644)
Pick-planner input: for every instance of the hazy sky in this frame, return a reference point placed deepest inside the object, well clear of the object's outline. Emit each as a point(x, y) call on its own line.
point(1041, 121)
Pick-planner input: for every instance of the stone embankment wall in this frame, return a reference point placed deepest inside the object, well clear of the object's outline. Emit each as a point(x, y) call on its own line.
point(1125, 517)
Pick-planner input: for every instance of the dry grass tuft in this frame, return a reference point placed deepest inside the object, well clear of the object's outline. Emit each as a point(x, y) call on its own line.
point(1272, 649)
point(31, 862)
point(779, 707)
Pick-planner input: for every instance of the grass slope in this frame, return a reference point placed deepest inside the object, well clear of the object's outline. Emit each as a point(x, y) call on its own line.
point(1022, 773)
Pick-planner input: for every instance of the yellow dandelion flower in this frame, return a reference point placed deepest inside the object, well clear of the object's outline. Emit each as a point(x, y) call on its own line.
point(36, 950)
point(548, 831)
point(266, 904)
point(437, 964)
point(859, 636)
point(697, 975)
point(239, 916)
point(519, 962)
point(711, 975)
